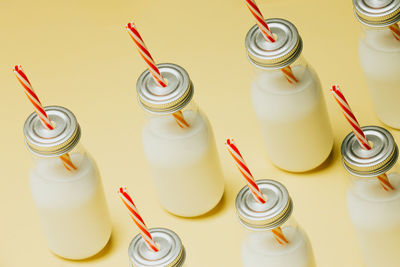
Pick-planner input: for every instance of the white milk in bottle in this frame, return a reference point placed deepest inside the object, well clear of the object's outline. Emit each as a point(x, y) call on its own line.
point(379, 54)
point(260, 248)
point(374, 212)
point(292, 114)
point(70, 202)
point(183, 159)
point(171, 250)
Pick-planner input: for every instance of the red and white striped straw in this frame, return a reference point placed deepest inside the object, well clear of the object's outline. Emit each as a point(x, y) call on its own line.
point(358, 132)
point(152, 67)
point(180, 119)
point(30, 93)
point(395, 29)
point(355, 126)
point(251, 183)
point(385, 183)
point(268, 36)
point(144, 52)
point(241, 164)
point(44, 118)
point(287, 71)
point(279, 236)
point(134, 213)
point(262, 25)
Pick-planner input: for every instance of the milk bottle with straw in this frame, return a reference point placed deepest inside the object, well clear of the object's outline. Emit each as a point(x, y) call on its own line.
point(65, 181)
point(158, 247)
point(264, 207)
point(286, 95)
point(178, 140)
point(379, 54)
point(370, 157)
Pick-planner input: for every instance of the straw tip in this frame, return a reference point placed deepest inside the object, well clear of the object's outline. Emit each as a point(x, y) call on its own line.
point(229, 141)
point(122, 189)
point(17, 68)
point(335, 87)
point(130, 25)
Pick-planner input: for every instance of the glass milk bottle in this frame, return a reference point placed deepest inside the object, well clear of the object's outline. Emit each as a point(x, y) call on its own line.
point(379, 54)
point(292, 116)
point(171, 253)
point(184, 161)
point(71, 205)
point(260, 248)
point(374, 212)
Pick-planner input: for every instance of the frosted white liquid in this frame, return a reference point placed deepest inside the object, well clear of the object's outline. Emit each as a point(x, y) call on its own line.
point(71, 205)
point(293, 119)
point(261, 249)
point(184, 163)
point(379, 54)
point(375, 215)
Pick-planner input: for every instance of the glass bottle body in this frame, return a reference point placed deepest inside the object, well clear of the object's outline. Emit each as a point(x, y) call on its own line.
point(261, 249)
point(71, 204)
point(375, 216)
point(379, 55)
point(293, 117)
point(184, 162)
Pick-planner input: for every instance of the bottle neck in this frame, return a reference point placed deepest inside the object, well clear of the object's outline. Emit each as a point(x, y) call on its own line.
point(381, 36)
point(284, 234)
point(189, 108)
point(291, 223)
point(300, 61)
point(294, 73)
point(70, 161)
point(378, 185)
point(365, 27)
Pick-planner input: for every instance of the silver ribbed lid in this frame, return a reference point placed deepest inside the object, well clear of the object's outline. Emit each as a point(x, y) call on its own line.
point(273, 213)
point(377, 13)
point(171, 253)
point(279, 54)
point(49, 143)
point(176, 95)
point(370, 163)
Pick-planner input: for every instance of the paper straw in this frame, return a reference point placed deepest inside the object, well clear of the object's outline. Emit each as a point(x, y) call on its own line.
point(384, 180)
point(152, 67)
point(289, 74)
point(180, 119)
point(349, 115)
point(134, 213)
point(242, 166)
point(37, 105)
point(358, 132)
point(262, 25)
point(395, 29)
point(251, 183)
point(278, 234)
point(66, 160)
point(268, 36)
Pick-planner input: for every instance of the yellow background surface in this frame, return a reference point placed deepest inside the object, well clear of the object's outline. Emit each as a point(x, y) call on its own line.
point(77, 54)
